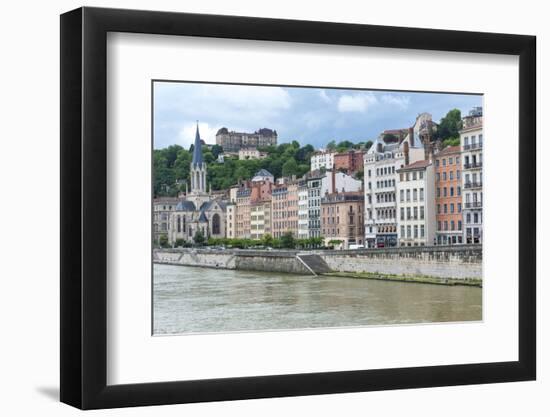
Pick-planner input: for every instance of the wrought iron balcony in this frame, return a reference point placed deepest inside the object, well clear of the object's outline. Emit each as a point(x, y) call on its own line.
point(475, 204)
point(471, 185)
point(473, 146)
point(473, 165)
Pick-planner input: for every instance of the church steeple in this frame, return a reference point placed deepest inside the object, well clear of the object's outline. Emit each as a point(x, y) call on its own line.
point(197, 148)
point(198, 167)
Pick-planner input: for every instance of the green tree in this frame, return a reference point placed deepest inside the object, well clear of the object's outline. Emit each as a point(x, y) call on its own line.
point(267, 240)
point(163, 241)
point(288, 241)
point(331, 145)
point(449, 125)
point(199, 237)
point(216, 150)
point(290, 167)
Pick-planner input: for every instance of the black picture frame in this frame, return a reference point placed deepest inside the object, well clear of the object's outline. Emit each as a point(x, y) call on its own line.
point(84, 207)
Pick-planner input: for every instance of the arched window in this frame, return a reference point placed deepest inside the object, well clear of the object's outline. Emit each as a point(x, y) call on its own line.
point(216, 224)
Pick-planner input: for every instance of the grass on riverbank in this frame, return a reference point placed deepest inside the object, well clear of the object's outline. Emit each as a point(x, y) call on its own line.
point(421, 279)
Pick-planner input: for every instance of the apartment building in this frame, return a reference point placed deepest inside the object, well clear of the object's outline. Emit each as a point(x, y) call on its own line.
point(471, 141)
point(322, 159)
point(342, 219)
point(416, 204)
point(448, 196)
point(162, 207)
point(381, 164)
point(303, 219)
point(284, 208)
point(349, 162)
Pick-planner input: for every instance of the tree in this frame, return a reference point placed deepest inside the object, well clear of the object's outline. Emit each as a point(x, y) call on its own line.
point(216, 150)
point(267, 240)
point(199, 237)
point(179, 242)
point(389, 138)
point(331, 145)
point(287, 240)
point(163, 241)
point(450, 125)
point(290, 167)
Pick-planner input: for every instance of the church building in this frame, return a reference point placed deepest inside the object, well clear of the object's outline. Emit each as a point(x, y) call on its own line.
point(198, 212)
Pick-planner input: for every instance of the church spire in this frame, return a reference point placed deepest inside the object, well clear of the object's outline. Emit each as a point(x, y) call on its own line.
point(197, 149)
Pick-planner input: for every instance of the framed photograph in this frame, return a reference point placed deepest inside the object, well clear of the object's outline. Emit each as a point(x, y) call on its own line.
point(257, 208)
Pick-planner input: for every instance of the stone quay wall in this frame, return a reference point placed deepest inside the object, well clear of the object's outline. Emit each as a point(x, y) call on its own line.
point(456, 262)
point(460, 262)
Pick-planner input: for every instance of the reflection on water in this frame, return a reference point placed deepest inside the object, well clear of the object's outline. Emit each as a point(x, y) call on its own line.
point(188, 299)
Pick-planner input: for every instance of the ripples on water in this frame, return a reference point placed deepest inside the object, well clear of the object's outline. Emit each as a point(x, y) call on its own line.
point(193, 300)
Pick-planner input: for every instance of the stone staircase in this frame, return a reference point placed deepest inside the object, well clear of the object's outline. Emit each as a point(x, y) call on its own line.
point(315, 263)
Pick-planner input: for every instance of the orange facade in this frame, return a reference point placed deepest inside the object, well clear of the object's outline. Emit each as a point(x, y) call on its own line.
point(349, 162)
point(448, 196)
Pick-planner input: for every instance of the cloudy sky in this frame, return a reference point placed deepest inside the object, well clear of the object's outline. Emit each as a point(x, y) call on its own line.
point(308, 115)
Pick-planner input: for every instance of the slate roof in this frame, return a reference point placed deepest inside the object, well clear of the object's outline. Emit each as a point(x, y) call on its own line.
point(263, 173)
point(185, 205)
point(197, 149)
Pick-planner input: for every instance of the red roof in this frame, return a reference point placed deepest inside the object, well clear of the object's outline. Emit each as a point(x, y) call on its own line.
point(449, 150)
point(416, 165)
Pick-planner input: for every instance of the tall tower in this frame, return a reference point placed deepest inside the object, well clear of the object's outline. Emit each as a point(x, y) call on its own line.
point(198, 167)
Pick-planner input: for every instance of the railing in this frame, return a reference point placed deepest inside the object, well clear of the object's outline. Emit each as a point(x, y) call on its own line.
point(473, 185)
point(473, 146)
point(473, 165)
point(475, 204)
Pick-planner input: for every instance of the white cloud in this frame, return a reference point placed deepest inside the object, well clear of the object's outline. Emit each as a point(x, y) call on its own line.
point(399, 101)
point(187, 134)
point(359, 103)
point(324, 96)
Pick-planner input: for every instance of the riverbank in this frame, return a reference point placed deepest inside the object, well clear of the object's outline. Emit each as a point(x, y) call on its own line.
point(447, 265)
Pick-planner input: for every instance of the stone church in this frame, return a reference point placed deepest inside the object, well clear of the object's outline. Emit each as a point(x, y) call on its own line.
point(198, 210)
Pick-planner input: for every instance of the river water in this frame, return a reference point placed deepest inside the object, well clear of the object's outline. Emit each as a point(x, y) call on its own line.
point(196, 300)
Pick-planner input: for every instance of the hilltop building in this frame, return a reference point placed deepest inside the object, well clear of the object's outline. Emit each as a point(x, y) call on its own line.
point(232, 141)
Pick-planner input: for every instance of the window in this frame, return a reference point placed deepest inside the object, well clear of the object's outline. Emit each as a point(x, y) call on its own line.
point(458, 190)
point(439, 209)
point(452, 191)
point(459, 207)
point(466, 141)
point(444, 162)
point(446, 225)
point(437, 163)
point(438, 225)
point(414, 175)
point(415, 211)
point(438, 192)
point(402, 231)
point(451, 173)
point(422, 230)
point(415, 195)
point(468, 218)
point(402, 213)
point(421, 175)
point(408, 195)
point(408, 231)
point(452, 207)
point(450, 161)
point(457, 174)
point(422, 194)
point(438, 177)
point(408, 213)
point(421, 212)
point(460, 225)
point(444, 191)
point(445, 209)
point(415, 231)
point(452, 225)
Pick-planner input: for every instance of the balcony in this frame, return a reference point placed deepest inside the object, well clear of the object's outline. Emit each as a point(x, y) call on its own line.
point(473, 146)
point(473, 165)
point(472, 185)
point(475, 204)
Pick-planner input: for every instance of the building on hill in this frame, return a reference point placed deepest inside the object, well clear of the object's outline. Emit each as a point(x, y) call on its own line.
point(322, 159)
point(232, 141)
point(349, 162)
point(251, 153)
point(198, 211)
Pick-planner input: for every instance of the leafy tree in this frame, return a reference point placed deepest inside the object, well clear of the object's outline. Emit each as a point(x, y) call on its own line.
point(290, 167)
point(359, 175)
point(216, 150)
point(331, 145)
point(199, 237)
point(288, 241)
point(163, 241)
point(451, 142)
point(267, 240)
point(389, 138)
point(179, 243)
point(449, 125)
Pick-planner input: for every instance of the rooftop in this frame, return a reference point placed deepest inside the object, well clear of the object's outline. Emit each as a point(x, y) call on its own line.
point(416, 165)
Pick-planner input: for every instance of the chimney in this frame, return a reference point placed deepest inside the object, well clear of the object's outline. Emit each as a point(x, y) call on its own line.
point(406, 151)
point(411, 136)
